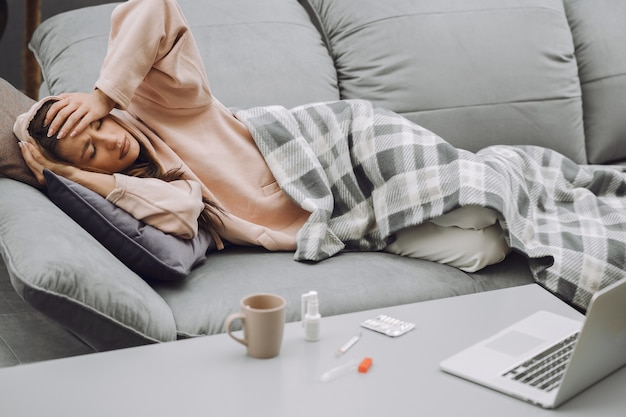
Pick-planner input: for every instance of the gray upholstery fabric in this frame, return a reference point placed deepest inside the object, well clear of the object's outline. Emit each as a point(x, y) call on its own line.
point(26, 335)
point(476, 73)
point(64, 272)
point(70, 60)
point(345, 283)
point(599, 34)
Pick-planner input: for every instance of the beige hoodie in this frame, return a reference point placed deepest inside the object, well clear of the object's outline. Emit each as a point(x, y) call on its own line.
point(153, 71)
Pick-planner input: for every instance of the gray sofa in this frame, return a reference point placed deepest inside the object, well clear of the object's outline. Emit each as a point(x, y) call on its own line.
point(476, 72)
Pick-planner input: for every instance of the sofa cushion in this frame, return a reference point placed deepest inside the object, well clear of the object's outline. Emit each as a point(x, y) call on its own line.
point(64, 272)
point(476, 73)
point(12, 164)
point(255, 52)
point(599, 33)
point(348, 282)
point(149, 252)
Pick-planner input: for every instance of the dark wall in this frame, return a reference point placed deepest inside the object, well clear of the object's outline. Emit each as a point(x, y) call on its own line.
point(13, 40)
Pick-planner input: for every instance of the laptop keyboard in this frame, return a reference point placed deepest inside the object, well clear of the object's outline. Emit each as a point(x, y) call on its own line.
point(545, 370)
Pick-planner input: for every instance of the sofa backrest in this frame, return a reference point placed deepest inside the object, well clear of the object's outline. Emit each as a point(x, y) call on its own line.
point(477, 72)
point(255, 52)
point(599, 32)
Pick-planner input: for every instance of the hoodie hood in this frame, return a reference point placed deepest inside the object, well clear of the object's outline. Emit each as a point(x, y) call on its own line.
point(20, 127)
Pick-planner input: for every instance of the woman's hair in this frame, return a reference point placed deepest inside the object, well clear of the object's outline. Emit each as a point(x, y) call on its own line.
point(38, 130)
point(144, 166)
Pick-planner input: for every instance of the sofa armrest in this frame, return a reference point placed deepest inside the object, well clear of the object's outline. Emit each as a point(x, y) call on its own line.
point(61, 270)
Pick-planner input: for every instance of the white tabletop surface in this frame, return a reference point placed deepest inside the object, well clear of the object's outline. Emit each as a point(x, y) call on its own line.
point(212, 376)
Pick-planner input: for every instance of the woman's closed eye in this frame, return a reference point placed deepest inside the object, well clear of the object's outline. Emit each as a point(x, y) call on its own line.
point(96, 125)
point(93, 152)
point(89, 150)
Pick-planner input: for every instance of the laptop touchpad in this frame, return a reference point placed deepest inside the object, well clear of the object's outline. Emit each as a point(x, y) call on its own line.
point(514, 343)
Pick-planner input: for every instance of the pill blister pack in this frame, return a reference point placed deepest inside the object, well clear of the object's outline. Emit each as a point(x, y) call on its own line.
point(388, 325)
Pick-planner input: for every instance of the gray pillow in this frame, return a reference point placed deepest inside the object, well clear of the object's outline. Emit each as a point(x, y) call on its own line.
point(149, 252)
point(598, 30)
point(477, 73)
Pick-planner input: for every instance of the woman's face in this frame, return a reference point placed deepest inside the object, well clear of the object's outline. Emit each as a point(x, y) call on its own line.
point(104, 146)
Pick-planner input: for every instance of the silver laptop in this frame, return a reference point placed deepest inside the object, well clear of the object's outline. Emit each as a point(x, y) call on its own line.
point(546, 358)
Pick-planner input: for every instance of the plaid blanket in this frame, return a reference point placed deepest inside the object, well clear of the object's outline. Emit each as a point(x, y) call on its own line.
point(365, 173)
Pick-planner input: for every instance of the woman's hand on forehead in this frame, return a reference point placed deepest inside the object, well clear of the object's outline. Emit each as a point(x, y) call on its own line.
point(74, 112)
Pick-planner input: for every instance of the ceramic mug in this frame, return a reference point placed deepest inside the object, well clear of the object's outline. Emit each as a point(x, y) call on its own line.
point(263, 322)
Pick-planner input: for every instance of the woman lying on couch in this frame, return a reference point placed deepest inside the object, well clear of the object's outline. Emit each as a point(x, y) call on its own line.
point(153, 140)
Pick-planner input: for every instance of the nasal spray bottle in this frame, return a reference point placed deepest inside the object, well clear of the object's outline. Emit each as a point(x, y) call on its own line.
point(311, 316)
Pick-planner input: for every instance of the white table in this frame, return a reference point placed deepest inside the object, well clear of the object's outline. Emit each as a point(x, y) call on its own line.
point(212, 376)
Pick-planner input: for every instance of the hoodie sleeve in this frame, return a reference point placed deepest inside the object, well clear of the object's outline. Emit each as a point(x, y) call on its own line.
point(172, 207)
point(152, 55)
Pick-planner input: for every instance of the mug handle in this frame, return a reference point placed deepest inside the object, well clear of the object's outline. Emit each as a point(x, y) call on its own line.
point(227, 324)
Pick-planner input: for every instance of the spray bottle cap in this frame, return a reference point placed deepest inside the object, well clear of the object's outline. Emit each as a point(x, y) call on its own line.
point(309, 305)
